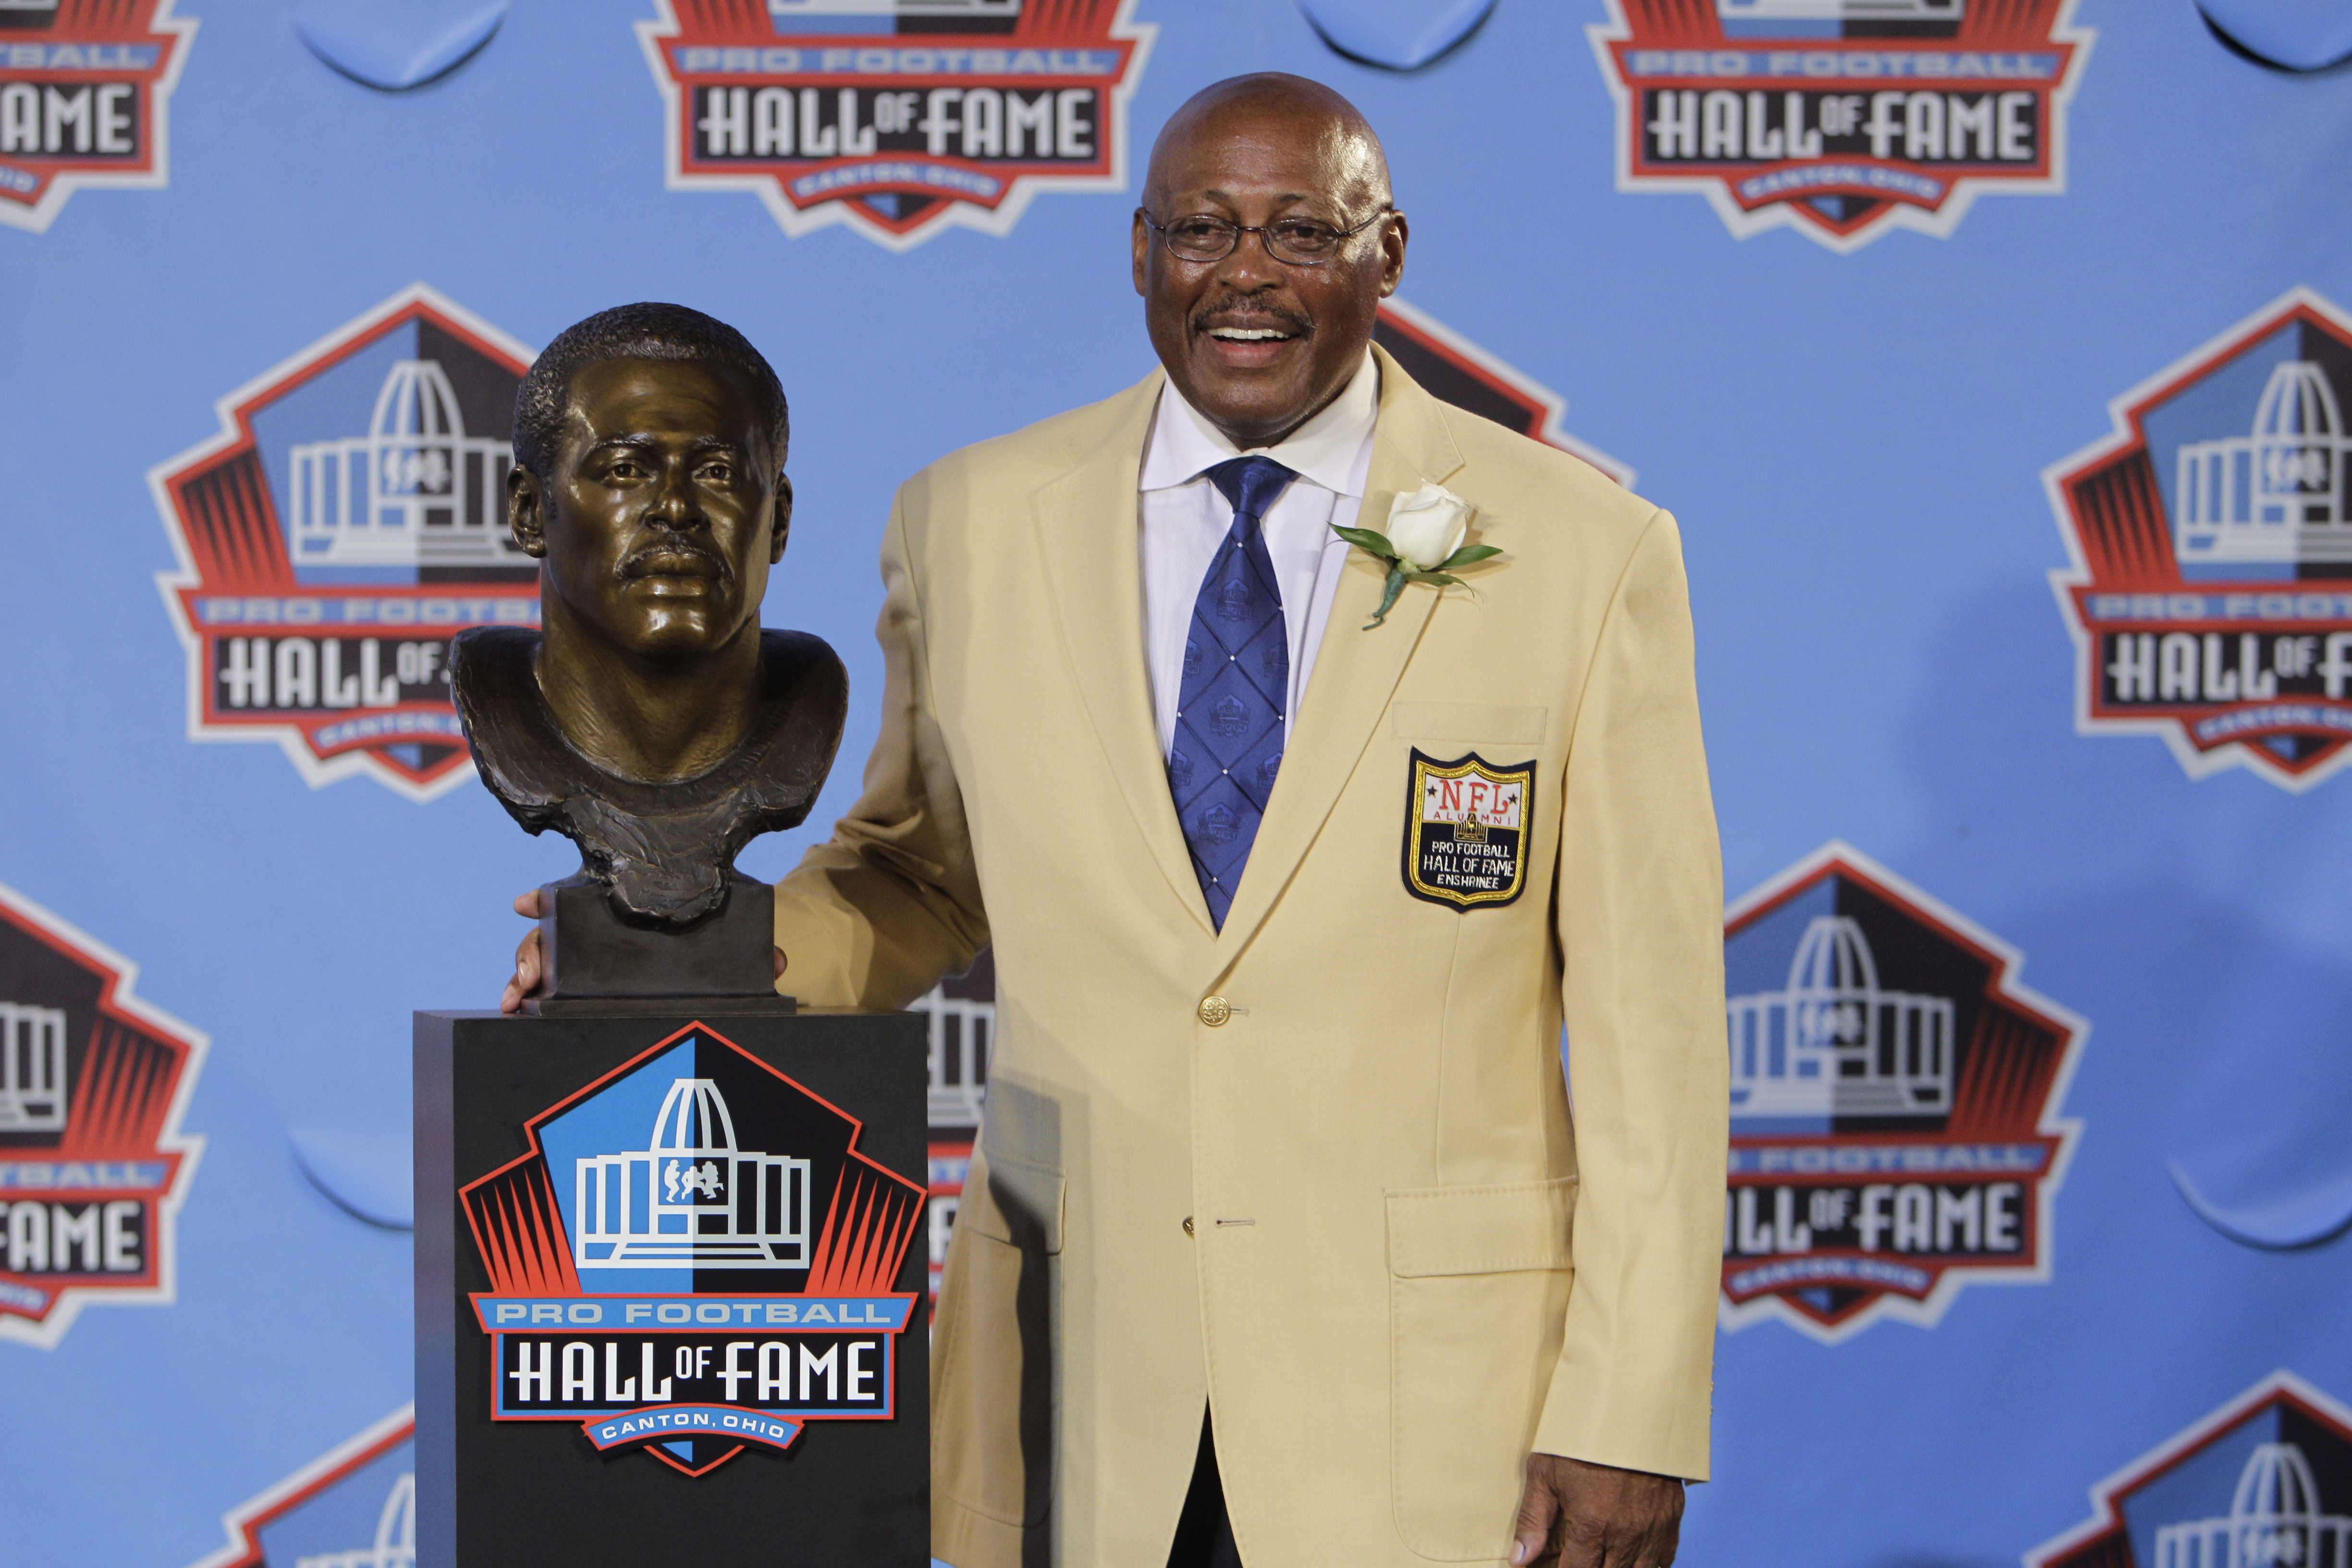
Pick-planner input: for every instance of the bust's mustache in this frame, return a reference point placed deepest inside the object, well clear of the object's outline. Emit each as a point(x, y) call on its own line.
point(674, 555)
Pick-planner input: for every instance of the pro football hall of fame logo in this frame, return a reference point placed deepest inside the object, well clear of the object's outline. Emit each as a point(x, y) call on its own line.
point(351, 1506)
point(2264, 1482)
point(899, 118)
point(347, 520)
point(93, 1165)
point(2211, 595)
point(694, 1257)
point(84, 89)
point(1893, 1099)
point(1843, 119)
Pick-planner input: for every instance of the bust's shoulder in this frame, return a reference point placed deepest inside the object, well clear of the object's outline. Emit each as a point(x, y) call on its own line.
point(491, 677)
point(515, 747)
point(483, 659)
point(801, 671)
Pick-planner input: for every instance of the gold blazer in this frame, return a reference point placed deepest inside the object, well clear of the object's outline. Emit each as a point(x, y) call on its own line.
point(1317, 1169)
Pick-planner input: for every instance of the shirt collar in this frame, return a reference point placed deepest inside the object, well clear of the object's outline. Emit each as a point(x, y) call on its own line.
point(1333, 449)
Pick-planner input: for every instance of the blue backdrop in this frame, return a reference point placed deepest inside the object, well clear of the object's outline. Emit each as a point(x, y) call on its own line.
point(1852, 421)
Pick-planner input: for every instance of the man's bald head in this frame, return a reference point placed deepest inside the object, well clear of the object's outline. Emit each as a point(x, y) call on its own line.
point(1307, 112)
point(1259, 343)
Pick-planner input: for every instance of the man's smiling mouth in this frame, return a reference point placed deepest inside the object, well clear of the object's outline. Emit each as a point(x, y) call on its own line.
point(1251, 334)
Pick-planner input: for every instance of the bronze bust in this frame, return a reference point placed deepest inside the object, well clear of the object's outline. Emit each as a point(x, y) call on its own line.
point(652, 721)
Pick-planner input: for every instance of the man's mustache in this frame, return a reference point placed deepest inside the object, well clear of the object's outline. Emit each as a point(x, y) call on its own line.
point(661, 557)
point(1247, 311)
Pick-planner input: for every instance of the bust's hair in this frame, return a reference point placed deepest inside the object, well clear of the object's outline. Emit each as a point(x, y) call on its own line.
point(648, 331)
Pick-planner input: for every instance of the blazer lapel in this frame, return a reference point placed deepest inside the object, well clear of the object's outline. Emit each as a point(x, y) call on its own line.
point(1356, 672)
point(1086, 525)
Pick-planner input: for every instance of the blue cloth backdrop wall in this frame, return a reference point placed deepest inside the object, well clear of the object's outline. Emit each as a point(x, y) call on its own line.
point(1851, 421)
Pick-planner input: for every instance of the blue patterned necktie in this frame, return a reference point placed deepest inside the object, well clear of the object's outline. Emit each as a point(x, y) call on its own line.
point(1235, 692)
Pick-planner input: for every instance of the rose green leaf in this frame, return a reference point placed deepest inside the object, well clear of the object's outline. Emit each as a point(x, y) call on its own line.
point(1364, 539)
point(1468, 554)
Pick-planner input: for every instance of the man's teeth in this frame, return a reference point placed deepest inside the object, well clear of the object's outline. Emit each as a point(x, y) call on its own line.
point(1247, 334)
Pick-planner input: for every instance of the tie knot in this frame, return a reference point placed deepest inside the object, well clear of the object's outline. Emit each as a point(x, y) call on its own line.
point(1250, 484)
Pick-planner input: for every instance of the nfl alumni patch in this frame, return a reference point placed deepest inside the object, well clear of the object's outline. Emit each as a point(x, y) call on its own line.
point(1465, 831)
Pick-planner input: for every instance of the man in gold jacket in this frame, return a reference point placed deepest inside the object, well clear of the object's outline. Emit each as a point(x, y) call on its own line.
point(1283, 1244)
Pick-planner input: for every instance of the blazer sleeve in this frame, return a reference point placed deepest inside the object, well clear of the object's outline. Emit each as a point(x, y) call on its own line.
point(1640, 910)
point(874, 916)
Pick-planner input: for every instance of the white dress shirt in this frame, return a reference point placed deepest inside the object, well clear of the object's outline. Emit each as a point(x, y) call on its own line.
point(1185, 518)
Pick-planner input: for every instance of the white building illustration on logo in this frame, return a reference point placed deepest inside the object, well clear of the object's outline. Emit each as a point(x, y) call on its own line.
point(691, 1199)
point(2273, 1522)
point(32, 1068)
point(963, 1037)
point(2275, 495)
point(1833, 1044)
point(1840, 10)
point(415, 491)
point(395, 1536)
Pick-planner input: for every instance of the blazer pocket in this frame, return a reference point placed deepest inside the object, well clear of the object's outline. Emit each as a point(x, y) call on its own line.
point(1478, 722)
point(1478, 1287)
point(993, 1367)
point(1019, 1204)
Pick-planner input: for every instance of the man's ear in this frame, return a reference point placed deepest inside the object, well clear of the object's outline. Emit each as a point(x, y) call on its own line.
point(1396, 231)
point(784, 516)
point(525, 520)
point(1140, 242)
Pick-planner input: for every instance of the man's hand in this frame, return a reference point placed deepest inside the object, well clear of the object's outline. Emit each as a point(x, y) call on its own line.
point(530, 971)
point(1596, 1516)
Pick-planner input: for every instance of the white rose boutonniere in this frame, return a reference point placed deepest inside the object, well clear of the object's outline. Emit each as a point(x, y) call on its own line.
point(1422, 544)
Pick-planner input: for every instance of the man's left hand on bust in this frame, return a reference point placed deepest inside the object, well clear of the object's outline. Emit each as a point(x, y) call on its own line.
point(1578, 1515)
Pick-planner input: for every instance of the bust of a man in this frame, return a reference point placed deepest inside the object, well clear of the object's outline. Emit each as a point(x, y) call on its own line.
point(651, 720)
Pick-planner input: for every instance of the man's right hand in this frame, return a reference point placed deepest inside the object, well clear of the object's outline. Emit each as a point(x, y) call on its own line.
point(530, 973)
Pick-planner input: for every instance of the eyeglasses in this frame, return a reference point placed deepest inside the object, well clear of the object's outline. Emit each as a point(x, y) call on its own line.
point(1299, 241)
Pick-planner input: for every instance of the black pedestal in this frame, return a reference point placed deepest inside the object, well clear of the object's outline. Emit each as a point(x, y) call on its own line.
point(598, 965)
point(669, 1303)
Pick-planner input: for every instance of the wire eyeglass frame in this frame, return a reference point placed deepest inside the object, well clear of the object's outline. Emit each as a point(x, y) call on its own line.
point(1268, 236)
